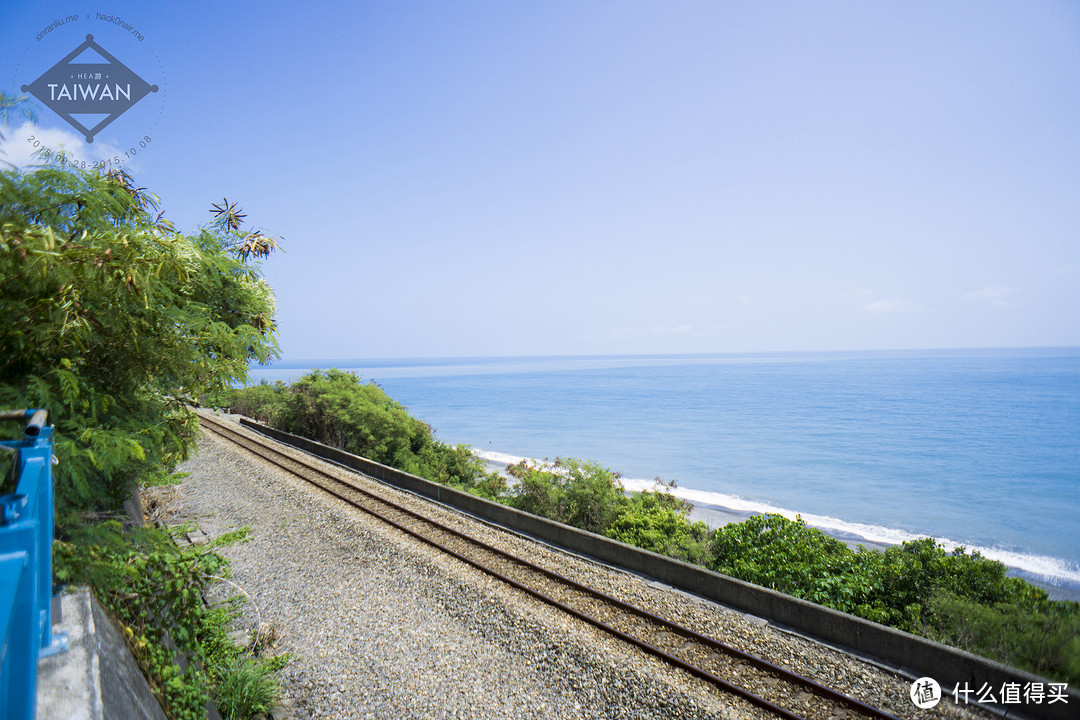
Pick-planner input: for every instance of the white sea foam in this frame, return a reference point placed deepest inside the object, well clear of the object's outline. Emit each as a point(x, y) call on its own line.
point(498, 457)
point(504, 459)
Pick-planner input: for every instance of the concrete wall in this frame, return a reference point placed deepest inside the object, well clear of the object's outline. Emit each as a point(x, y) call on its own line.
point(947, 665)
point(96, 678)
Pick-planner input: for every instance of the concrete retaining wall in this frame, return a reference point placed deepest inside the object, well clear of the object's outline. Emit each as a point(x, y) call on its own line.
point(947, 665)
point(96, 678)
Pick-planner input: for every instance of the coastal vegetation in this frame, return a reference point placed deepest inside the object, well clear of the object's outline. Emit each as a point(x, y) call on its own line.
point(335, 408)
point(114, 322)
point(959, 598)
point(155, 589)
point(588, 495)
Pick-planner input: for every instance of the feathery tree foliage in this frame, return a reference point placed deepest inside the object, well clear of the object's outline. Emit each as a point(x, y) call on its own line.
point(113, 321)
point(19, 105)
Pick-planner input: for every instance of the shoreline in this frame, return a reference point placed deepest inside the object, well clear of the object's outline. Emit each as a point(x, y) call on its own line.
point(715, 516)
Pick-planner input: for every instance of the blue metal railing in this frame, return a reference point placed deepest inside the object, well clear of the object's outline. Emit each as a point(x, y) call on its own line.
point(26, 535)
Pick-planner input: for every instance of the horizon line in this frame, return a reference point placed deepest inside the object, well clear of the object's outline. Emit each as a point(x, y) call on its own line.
point(739, 353)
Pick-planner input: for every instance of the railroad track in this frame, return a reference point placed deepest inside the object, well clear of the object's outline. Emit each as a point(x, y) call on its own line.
point(770, 687)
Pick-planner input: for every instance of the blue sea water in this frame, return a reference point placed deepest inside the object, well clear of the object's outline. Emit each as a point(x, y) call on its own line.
point(979, 448)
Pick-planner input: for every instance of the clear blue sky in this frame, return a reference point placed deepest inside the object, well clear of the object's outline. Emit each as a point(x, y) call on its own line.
point(586, 177)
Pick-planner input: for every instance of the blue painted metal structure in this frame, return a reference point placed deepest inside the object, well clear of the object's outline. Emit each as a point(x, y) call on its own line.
point(26, 536)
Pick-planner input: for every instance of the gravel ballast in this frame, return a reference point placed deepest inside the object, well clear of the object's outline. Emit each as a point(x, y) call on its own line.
point(380, 625)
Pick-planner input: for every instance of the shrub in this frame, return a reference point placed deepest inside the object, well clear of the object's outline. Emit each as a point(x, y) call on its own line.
point(657, 521)
point(154, 588)
point(1045, 640)
point(458, 466)
point(784, 555)
point(112, 320)
point(245, 689)
point(904, 576)
point(264, 402)
point(577, 492)
point(336, 408)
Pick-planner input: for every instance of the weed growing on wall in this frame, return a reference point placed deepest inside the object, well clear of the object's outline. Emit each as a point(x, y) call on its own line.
point(154, 589)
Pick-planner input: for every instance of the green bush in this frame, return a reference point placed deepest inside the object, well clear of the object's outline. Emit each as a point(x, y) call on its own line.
point(1044, 640)
point(154, 588)
point(263, 402)
point(577, 492)
point(959, 598)
point(336, 408)
point(458, 466)
point(658, 521)
point(903, 576)
point(787, 556)
point(888, 587)
point(111, 320)
point(244, 689)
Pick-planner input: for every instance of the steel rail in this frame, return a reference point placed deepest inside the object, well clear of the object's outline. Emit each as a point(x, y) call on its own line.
point(762, 664)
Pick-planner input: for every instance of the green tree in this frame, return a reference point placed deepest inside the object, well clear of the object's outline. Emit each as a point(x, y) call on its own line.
point(577, 492)
point(114, 322)
point(336, 408)
point(18, 105)
point(785, 555)
point(658, 521)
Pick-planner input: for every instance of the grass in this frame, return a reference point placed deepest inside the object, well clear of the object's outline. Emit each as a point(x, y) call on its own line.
point(245, 689)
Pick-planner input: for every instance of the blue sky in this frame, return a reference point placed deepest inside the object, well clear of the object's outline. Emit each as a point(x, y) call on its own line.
point(533, 178)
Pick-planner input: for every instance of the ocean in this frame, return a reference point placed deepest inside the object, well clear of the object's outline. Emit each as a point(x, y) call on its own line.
point(977, 448)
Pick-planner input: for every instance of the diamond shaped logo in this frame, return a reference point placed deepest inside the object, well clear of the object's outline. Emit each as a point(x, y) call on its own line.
point(103, 86)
